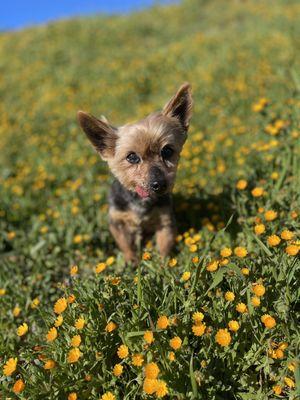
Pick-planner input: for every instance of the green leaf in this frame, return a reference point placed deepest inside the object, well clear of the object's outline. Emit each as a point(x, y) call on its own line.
point(192, 378)
point(218, 277)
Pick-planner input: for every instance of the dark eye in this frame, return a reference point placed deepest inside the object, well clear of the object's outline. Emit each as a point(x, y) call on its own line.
point(167, 152)
point(133, 158)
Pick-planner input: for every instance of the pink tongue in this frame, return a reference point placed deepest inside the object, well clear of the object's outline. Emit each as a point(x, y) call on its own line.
point(142, 192)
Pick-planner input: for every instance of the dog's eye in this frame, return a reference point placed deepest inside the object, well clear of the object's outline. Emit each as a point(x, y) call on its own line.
point(133, 158)
point(167, 152)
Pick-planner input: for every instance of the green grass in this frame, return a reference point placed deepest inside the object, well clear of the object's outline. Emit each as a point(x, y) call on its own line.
point(53, 207)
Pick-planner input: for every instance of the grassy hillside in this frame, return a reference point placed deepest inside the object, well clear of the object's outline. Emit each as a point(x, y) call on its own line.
point(236, 199)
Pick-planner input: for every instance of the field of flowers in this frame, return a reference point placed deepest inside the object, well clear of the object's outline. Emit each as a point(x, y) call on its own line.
point(220, 318)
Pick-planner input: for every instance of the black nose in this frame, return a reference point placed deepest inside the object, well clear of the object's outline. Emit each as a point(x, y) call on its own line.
point(155, 186)
point(157, 181)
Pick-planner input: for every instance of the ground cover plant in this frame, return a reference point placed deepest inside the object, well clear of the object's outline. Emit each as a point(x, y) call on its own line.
point(219, 319)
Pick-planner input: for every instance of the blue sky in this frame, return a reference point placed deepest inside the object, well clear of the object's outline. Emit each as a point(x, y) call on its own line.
point(15, 14)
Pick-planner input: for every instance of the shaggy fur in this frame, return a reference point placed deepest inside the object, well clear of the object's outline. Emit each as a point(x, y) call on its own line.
point(143, 157)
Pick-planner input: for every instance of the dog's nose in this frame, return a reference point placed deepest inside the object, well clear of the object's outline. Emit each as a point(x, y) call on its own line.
point(158, 186)
point(155, 186)
point(157, 181)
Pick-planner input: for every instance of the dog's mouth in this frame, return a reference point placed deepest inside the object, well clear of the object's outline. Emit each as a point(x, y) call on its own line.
point(147, 193)
point(142, 192)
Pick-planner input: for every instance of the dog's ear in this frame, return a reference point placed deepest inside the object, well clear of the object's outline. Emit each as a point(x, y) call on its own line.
point(180, 106)
point(102, 136)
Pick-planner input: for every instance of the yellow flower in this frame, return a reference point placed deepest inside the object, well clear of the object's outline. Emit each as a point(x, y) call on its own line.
point(100, 267)
point(198, 317)
point(172, 262)
point(175, 343)
point(268, 321)
point(258, 289)
point(146, 256)
point(257, 192)
point(245, 271)
point(10, 366)
point(172, 356)
point(292, 250)
point(74, 355)
point(71, 298)
point(226, 252)
point(259, 229)
point(110, 260)
point(292, 366)
point(277, 389)
point(279, 353)
point(255, 301)
point(59, 320)
point(16, 311)
point(122, 351)
point(51, 335)
point(223, 337)
point(75, 341)
point(195, 259)
point(149, 385)
point(118, 369)
point(74, 270)
point(22, 330)
point(270, 215)
point(289, 382)
point(240, 252)
point(241, 184)
point(137, 360)
point(151, 370)
point(77, 239)
point(287, 235)
point(161, 389)
point(162, 322)
point(148, 337)
point(224, 261)
point(35, 302)
point(198, 330)
point(229, 296)
point(212, 266)
point(11, 235)
point(19, 386)
point(79, 324)
point(72, 396)
point(60, 305)
point(2, 292)
point(186, 276)
point(108, 396)
point(273, 240)
point(49, 364)
point(241, 308)
point(233, 326)
point(111, 326)
point(193, 248)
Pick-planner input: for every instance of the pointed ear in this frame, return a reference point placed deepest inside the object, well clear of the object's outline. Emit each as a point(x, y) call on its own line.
point(180, 106)
point(102, 136)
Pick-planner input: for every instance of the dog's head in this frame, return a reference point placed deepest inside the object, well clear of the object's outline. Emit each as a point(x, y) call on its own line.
point(144, 155)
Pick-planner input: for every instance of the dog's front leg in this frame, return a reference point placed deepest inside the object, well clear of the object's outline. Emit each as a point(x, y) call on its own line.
point(165, 238)
point(126, 242)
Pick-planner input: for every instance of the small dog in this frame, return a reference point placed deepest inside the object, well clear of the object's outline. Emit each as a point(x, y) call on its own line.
point(143, 157)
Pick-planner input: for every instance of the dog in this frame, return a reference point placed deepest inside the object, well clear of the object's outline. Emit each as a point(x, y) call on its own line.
point(143, 158)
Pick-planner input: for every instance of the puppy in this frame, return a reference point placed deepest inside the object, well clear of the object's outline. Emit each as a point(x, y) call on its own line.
point(143, 157)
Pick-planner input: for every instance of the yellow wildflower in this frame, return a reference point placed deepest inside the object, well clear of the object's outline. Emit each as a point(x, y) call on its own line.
point(22, 330)
point(122, 351)
point(223, 337)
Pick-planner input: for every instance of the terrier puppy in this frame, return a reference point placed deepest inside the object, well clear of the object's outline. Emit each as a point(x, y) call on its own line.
point(143, 157)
